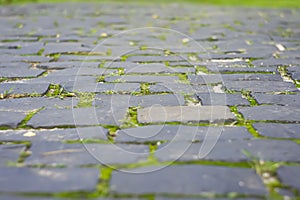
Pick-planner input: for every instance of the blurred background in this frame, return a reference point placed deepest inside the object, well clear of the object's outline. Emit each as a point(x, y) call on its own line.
point(253, 3)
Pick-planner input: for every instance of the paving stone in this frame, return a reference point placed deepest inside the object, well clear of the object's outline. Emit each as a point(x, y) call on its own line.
point(10, 153)
point(276, 113)
point(180, 133)
point(6, 58)
point(77, 117)
point(16, 73)
point(230, 69)
point(295, 72)
point(188, 179)
point(84, 70)
point(55, 135)
point(23, 88)
point(11, 119)
point(64, 65)
point(53, 153)
point(45, 180)
point(231, 151)
point(149, 69)
point(220, 78)
point(103, 100)
point(15, 197)
point(275, 62)
point(287, 176)
point(178, 88)
point(284, 100)
point(52, 48)
point(154, 58)
point(196, 114)
point(143, 79)
point(33, 103)
point(222, 99)
point(278, 130)
point(118, 87)
point(256, 86)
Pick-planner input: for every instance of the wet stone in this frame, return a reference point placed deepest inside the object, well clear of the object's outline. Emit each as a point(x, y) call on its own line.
point(10, 153)
point(256, 86)
point(195, 114)
point(287, 176)
point(180, 133)
point(48, 180)
point(284, 100)
point(84, 133)
point(231, 151)
point(184, 179)
point(11, 119)
point(56, 153)
point(222, 99)
point(270, 112)
point(278, 130)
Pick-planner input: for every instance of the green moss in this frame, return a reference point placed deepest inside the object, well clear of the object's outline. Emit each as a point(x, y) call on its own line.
point(145, 88)
point(23, 123)
point(131, 118)
point(6, 93)
point(40, 52)
point(56, 90)
point(201, 69)
point(247, 95)
point(183, 78)
point(85, 99)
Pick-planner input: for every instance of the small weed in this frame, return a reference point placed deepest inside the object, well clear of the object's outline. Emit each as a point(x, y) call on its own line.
point(191, 100)
point(184, 78)
point(55, 57)
point(145, 88)
point(267, 170)
point(85, 99)
point(56, 90)
point(23, 123)
point(201, 69)
point(40, 52)
point(247, 95)
point(131, 118)
point(6, 93)
point(100, 79)
point(108, 52)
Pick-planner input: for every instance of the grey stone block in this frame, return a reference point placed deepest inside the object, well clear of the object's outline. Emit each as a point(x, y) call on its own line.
point(159, 114)
point(272, 113)
point(45, 180)
point(189, 180)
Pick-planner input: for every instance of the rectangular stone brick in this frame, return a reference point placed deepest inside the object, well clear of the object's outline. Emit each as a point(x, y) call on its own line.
point(272, 112)
point(179, 133)
point(222, 99)
point(277, 130)
point(48, 180)
point(259, 86)
point(281, 99)
point(10, 153)
point(54, 153)
point(231, 151)
point(11, 119)
point(197, 114)
point(143, 79)
point(188, 180)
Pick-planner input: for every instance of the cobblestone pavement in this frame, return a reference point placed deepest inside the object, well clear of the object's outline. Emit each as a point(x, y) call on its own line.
point(202, 104)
